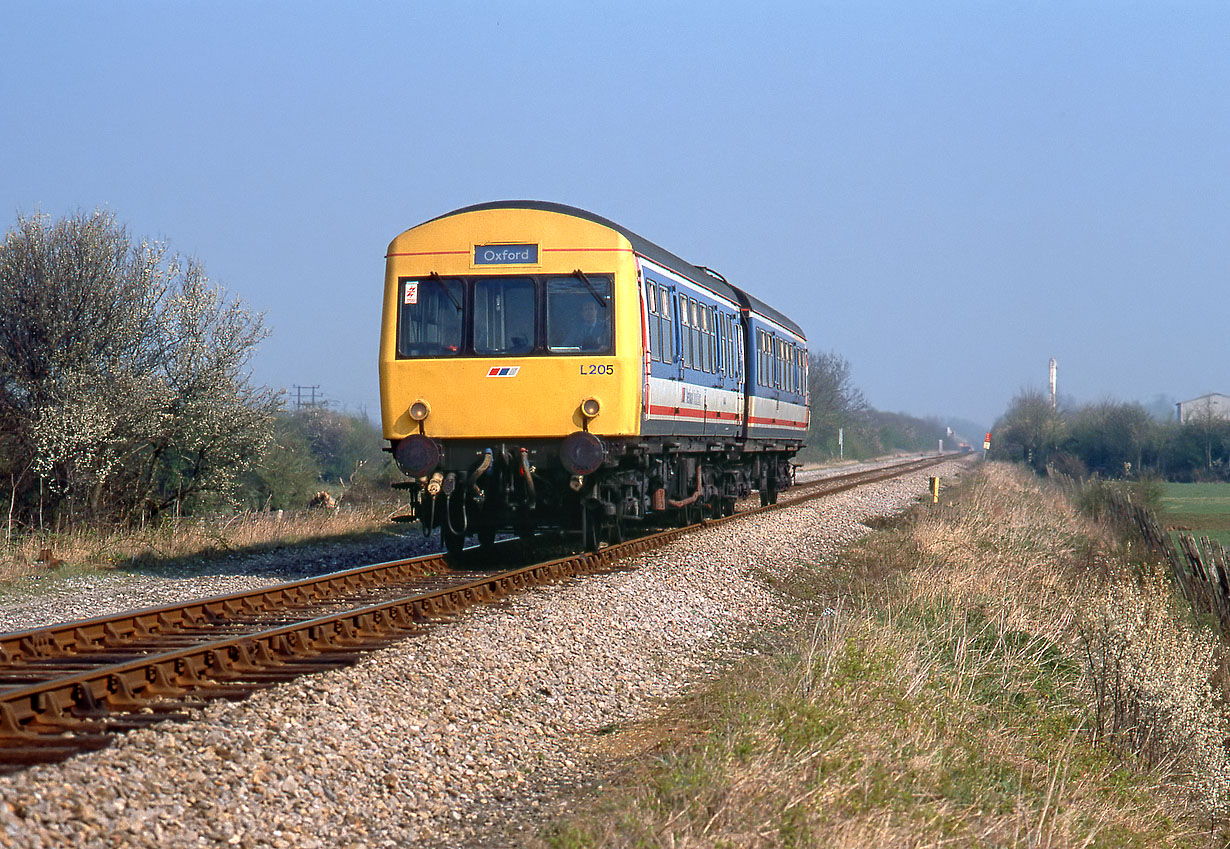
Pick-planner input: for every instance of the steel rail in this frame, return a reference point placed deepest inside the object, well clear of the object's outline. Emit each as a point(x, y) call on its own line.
point(149, 674)
point(200, 616)
point(72, 638)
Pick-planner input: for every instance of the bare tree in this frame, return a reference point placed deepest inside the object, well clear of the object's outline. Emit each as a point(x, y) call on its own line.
point(835, 401)
point(123, 388)
point(1029, 430)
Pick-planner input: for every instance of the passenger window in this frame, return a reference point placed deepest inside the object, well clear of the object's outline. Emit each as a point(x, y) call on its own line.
point(579, 315)
point(698, 335)
point(665, 328)
point(685, 333)
point(765, 377)
point(727, 352)
point(698, 350)
point(732, 329)
point(504, 316)
point(430, 318)
point(706, 354)
point(710, 357)
point(760, 356)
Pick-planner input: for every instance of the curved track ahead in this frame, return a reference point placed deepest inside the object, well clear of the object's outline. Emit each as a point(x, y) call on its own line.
point(67, 688)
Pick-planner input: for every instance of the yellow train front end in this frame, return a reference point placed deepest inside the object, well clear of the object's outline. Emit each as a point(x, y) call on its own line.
point(511, 364)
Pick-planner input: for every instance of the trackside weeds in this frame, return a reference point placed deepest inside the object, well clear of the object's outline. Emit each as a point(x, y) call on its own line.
point(994, 670)
point(90, 551)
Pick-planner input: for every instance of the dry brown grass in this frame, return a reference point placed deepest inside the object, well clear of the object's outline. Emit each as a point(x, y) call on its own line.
point(185, 538)
point(949, 697)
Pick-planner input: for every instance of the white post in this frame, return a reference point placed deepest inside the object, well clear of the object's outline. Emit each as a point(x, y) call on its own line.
point(1054, 368)
point(8, 539)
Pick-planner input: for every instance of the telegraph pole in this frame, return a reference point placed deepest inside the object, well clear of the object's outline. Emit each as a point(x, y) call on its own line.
point(310, 401)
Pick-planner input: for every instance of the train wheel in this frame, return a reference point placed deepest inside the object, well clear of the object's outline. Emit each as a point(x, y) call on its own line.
point(591, 528)
point(615, 527)
point(453, 543)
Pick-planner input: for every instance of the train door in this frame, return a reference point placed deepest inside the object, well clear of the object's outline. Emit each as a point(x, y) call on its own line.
point(747, 356)
point(680, 303)
point(651, 346)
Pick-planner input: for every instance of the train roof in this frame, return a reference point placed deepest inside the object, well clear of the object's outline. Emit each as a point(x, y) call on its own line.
point(645, 248)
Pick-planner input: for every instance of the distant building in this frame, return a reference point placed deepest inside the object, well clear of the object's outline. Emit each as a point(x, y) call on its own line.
point(1214, 405)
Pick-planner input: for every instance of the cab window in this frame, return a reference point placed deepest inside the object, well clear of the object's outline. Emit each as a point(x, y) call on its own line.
point(504, 315)
point(579, 314)
point(430, 317)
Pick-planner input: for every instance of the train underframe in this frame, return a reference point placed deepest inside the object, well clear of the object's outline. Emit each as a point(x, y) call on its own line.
point(599, 490)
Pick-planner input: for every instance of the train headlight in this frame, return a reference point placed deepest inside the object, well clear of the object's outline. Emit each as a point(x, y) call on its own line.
point(581, 453)
point(417, 455)
point(419, 410)
point(590, 408)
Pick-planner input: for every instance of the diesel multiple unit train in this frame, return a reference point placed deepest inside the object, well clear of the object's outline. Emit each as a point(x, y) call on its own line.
point(542, 367)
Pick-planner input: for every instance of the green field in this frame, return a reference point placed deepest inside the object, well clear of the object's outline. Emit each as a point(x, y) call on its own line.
point(1200, 508)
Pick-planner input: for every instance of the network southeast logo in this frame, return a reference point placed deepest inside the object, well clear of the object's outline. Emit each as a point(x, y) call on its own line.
point(503, 371)
point(506, 254)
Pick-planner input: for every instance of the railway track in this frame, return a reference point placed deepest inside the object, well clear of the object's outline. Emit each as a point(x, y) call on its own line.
point(69, 688)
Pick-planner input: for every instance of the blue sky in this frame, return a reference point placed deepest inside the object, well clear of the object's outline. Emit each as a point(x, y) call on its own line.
point(946, 194)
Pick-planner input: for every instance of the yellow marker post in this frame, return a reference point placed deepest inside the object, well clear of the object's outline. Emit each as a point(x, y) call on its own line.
point(935, 490)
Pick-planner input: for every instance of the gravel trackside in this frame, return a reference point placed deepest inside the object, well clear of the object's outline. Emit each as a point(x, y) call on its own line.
point(469, 734)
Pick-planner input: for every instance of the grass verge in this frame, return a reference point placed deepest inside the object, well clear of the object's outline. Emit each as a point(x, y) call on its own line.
point(171, 543)
point(992, 671)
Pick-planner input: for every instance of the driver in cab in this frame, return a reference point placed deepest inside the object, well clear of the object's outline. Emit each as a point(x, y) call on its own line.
point(593, 332)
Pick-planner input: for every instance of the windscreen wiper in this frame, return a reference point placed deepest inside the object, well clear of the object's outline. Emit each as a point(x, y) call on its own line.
point(435, 275)
point(597, 297)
